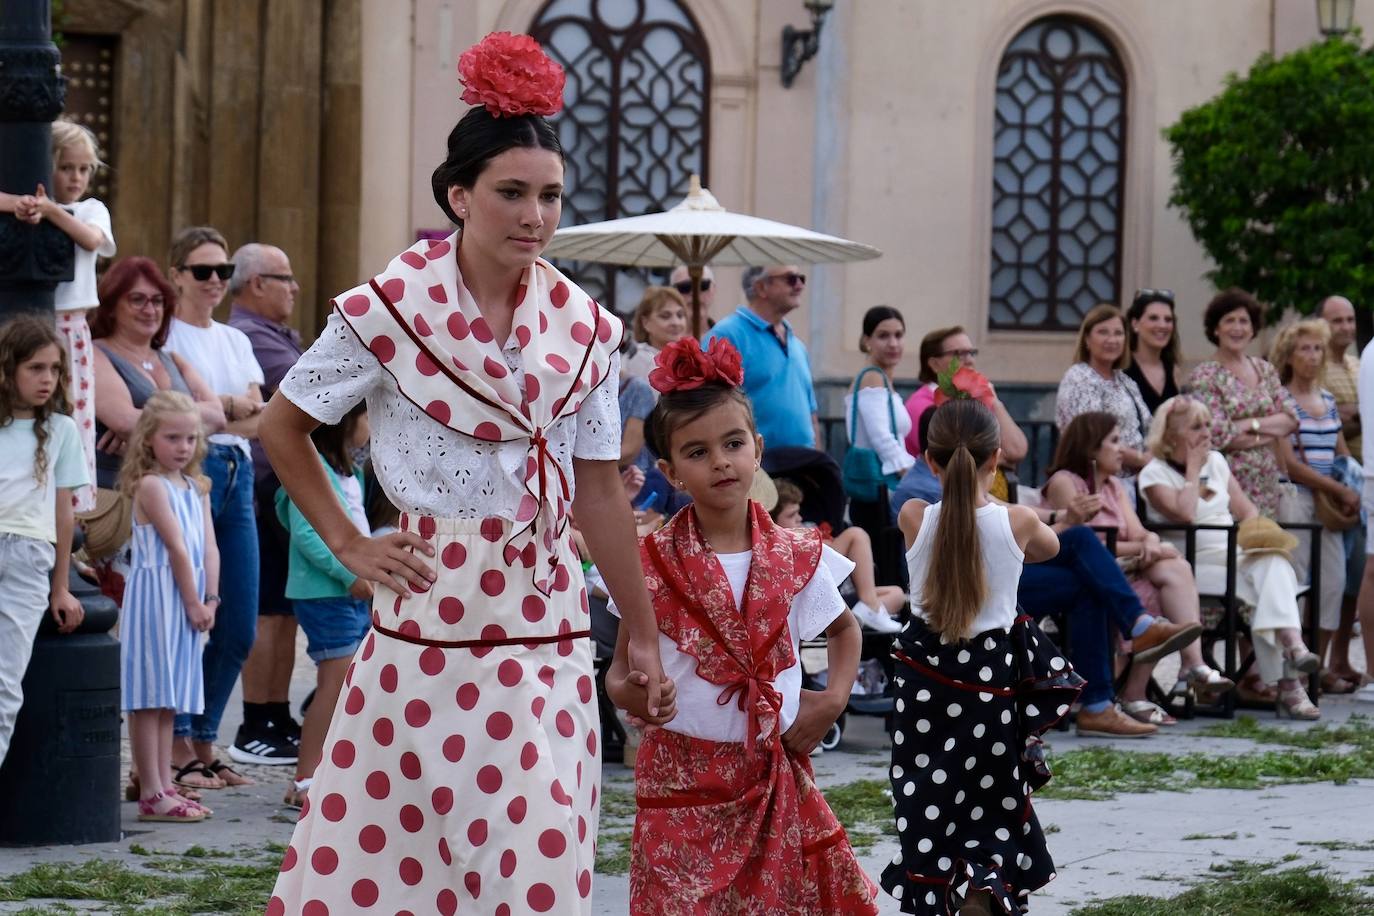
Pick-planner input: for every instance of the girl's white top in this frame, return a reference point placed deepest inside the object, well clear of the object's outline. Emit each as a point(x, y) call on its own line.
point(78, 293)
point(813, 609)
point(875, 427)
point(1002, 561)
point(353, 501)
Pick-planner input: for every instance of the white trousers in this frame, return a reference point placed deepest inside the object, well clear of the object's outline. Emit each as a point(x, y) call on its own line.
point(1300, 506)
point(25, 580)
point(1268, 584)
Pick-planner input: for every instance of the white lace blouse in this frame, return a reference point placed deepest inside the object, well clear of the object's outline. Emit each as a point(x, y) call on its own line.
point(424, 466)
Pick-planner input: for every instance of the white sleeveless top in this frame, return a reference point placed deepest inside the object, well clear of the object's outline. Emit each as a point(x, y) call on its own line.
point(1002, 560)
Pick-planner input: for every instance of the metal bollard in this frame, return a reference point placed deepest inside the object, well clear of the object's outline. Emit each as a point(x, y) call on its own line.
point(60, 781)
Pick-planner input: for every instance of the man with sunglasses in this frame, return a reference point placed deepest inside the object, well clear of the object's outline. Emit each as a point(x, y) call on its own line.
point(777, 369)
point(681, 281)
point(263, 292)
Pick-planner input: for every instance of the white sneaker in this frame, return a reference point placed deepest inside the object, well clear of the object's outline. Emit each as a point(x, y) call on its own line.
point(881, 621)
point(1365, 694)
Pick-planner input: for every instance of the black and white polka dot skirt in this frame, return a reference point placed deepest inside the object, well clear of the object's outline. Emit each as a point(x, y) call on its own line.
point(966, 756)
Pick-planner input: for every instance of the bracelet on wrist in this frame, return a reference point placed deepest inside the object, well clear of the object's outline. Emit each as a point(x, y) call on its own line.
point(212, 598)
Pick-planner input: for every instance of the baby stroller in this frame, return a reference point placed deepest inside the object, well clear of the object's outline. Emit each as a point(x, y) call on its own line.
point(818, 477)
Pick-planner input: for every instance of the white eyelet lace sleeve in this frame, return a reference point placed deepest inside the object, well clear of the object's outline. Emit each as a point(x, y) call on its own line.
point(598, 419)
point(333, 375)
point(819, 603)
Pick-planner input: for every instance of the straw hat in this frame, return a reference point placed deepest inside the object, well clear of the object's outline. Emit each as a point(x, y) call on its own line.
point(763, 491)
point(109, 525)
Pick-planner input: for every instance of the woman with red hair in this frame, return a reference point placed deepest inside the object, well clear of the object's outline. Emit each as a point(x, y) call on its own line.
point(129, 328)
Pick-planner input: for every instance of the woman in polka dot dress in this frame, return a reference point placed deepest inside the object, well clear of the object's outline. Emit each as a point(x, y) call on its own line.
point(461, 770)
point(977, 682)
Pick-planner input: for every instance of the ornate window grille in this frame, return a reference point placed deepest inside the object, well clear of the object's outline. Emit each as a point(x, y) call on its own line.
point(1058, 161)
point(636, 122)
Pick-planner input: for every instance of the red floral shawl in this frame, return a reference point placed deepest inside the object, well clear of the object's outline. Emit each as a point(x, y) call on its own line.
point(421, 322)
point(742, 649)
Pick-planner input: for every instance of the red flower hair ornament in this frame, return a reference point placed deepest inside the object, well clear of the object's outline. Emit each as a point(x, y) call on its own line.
point(683, 365)
point(964, 382)
point(510, 75)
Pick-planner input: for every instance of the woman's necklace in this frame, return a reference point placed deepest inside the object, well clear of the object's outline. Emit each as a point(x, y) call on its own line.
point(147, 364)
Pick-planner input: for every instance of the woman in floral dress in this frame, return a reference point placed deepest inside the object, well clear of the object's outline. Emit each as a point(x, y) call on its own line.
point(461, 769)
point(1250, 410)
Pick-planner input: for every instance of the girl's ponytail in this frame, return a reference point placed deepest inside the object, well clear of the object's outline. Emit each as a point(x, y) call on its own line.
point(963, 436)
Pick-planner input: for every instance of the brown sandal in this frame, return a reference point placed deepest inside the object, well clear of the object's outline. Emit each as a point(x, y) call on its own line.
point(1337, 684)
point(227, 774)
point(196, 775)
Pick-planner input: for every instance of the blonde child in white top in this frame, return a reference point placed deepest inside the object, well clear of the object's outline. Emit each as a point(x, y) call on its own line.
point(75, 161)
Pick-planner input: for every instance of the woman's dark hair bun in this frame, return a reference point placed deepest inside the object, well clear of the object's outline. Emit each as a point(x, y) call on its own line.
point(478, 138)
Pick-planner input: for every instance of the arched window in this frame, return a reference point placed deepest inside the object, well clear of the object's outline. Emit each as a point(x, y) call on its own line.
point(1058, 160)
point(635, 126)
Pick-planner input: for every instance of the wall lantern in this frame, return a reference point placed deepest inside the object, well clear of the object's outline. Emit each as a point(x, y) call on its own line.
point(1335, 17)
point(800, 46)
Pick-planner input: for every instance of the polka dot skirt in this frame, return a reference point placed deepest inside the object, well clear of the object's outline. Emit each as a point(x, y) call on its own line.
point(966, 757)
point(457, 779)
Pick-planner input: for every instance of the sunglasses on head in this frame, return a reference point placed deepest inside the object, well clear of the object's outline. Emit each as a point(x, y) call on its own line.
point(202, 272)
point(790, 278)
point(1146, 296)
point(685, 287)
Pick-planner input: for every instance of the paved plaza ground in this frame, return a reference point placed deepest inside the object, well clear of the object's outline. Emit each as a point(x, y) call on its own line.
point(1150, 843)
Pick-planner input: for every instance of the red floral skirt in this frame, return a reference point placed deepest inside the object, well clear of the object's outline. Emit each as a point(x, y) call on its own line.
point(723, 831)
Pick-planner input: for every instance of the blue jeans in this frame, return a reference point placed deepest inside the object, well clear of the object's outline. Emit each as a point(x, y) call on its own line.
point(334, 627)
point(236, 618)
point(1085, 583)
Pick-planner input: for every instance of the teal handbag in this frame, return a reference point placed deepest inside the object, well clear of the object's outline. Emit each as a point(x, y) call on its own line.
point(863, 475)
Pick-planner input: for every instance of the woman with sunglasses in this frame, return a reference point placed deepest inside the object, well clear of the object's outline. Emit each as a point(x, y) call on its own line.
point(1152, 339)
point(658, 320)
point(200, 269)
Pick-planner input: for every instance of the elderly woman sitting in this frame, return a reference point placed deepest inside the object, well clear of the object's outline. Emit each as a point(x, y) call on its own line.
point(1085, 465)
point(1189, 482)
point(1311, 455)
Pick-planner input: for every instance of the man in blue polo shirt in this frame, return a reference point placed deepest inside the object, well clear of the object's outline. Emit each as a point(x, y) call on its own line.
point(777, 370)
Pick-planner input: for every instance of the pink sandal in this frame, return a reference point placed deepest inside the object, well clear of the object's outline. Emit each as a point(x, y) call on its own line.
point(183, 812)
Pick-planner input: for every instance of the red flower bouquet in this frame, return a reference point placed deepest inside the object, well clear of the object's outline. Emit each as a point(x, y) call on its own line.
point(964, 382)
point(510, 75)
point(683, 365)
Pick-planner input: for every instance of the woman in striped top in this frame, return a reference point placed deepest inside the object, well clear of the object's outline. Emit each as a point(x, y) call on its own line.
point(1310, 454)
point(169, 600)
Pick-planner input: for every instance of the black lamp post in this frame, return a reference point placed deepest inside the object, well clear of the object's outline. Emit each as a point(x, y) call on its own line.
point(1335, 17)
point(33, 259)
point(799, 46)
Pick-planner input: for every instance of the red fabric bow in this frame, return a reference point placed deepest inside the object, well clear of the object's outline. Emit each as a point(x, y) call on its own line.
point(683, 365)
point(510, 75)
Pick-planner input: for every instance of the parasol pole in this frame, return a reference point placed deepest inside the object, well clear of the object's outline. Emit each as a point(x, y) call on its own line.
point(695, 271)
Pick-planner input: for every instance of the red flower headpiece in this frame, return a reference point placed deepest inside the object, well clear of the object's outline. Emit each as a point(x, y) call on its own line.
point(682, 365)
point(964, 382)
point(510, 75)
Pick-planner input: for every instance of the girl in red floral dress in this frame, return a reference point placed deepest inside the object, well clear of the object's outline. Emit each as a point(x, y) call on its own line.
point(730, 820)
point(461, 768)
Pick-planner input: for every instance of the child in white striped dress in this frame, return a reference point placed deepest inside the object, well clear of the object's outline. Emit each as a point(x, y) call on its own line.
point(169, 599)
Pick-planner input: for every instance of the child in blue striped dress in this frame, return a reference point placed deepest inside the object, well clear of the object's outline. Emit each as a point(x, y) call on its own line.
point(169, 599)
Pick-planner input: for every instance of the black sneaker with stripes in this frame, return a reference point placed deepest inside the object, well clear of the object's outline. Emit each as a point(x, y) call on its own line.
point(263, 744)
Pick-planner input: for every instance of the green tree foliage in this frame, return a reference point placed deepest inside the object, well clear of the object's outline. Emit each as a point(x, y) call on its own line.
point(1273, 176)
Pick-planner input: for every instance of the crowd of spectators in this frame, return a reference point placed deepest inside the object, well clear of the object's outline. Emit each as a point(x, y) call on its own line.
point(1140, 442)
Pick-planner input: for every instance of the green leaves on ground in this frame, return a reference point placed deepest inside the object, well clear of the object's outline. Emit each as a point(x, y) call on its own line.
point(1325, 752)
point(1241, 888)
point(195, 882)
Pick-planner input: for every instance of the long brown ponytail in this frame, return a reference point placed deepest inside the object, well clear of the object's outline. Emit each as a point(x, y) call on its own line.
point(963, 436)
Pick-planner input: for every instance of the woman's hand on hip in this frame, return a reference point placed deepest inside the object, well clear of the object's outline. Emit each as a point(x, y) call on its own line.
point(391, 560)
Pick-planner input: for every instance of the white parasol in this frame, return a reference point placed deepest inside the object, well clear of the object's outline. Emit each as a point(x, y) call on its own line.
point(697, 232)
